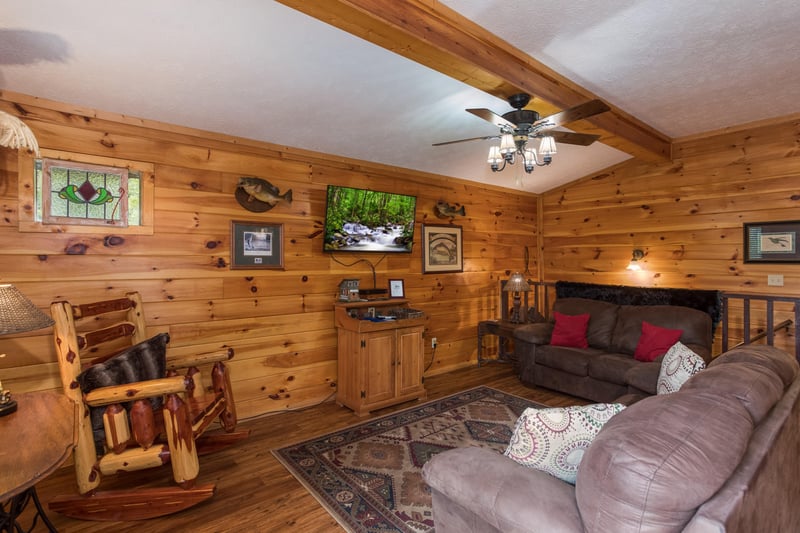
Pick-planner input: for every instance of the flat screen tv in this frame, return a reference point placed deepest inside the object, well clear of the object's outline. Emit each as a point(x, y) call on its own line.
point(361, 220)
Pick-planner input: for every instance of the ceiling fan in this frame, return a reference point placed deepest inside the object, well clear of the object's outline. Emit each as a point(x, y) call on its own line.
point(520, 126)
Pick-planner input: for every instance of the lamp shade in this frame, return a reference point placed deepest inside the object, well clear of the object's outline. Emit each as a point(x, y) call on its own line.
point(18, 314)
point(516, 283)
point(16, 134)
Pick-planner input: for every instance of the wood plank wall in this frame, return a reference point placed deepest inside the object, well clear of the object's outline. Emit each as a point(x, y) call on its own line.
point(280, 323)
point(686, 216)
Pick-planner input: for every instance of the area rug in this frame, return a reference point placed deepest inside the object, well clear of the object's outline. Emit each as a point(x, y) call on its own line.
point(369, 476)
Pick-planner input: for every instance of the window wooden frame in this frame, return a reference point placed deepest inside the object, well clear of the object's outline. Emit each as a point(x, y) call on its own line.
point(27, 194)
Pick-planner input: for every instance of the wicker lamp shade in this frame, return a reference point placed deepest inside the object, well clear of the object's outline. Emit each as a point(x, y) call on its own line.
point(18, 314)
point(16, 134)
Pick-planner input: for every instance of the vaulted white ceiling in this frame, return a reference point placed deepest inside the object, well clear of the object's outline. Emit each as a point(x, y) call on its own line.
point(263, 71)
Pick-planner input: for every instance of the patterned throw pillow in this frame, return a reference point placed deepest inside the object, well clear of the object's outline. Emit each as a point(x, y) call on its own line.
point(554, 439)
point(679, 364)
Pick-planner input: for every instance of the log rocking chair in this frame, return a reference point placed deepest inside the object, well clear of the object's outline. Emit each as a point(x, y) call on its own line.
point(145, 421)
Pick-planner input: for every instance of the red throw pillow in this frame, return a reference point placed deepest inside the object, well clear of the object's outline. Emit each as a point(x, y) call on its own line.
point(570, 330)
point(655, 341)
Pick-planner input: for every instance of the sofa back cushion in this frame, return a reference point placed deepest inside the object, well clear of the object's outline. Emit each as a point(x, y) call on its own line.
point(696, 326)
point(653, 464)
point(602, 317)
point(783, 364)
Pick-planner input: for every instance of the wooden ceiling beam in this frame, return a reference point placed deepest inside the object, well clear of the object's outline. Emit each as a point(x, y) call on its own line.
point(433, 35)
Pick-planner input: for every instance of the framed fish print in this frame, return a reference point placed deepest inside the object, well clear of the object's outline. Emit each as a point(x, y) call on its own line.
point(256, 245)
point(771, 242)
point(442, 249)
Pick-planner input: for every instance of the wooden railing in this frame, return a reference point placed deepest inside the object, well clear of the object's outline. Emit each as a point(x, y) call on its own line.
point(770, 328)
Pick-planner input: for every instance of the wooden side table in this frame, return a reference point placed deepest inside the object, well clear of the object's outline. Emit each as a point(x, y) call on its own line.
point(38, 439)
point(504, 330)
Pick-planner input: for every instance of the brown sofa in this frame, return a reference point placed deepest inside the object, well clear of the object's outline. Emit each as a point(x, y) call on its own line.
point(606, 370)
point(719, 455)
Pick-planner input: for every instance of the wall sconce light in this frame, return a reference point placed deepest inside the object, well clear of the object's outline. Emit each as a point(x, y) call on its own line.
point(634, 264)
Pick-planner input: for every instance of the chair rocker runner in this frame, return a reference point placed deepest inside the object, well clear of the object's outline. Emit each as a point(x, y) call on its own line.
point(139, 436)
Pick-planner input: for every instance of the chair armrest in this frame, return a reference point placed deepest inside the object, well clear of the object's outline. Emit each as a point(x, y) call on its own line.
point(186, 361)
point(503, 493)
point(538, 333)
point(136, 391)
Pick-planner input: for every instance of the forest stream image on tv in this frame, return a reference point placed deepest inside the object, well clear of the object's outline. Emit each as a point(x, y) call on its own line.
point(360, 220)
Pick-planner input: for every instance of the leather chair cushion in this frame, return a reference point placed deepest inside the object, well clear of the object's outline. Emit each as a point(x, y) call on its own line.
point(572, 360)
point(653, 464)
point(696, 325)
point(601, 323)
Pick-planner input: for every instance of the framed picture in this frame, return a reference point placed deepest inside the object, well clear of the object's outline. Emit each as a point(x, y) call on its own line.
point(396, 289)
point(771, 242)
point(256, 245)
point(442, 249)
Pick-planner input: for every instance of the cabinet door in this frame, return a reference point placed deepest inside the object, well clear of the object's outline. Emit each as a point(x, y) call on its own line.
point(379, 357)
point(410, 348)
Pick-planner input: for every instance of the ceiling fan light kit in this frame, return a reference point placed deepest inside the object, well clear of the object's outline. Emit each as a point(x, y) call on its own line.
point(521, 126)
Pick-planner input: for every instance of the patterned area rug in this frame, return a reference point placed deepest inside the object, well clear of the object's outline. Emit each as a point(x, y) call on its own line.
point(369, 476)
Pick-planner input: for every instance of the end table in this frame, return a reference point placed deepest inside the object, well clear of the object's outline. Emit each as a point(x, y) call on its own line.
point(504, 330)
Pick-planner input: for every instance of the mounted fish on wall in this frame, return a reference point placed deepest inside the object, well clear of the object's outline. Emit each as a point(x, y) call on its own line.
point(445, 210)
point(259, 195)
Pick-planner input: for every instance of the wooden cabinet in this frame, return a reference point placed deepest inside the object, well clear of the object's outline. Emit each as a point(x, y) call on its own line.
point(380, 362)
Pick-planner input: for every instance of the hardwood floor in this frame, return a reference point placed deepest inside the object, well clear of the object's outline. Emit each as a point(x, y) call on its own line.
point(254, 491)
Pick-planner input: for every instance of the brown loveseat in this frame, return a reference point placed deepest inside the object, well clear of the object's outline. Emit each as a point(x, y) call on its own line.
point(607, 369)
point(718, 455)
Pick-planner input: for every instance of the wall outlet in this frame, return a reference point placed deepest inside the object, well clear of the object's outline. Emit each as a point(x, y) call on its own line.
point(434, 342)
point(775, 280)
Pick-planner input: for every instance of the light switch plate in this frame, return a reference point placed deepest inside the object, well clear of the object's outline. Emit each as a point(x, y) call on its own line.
point(775, 280)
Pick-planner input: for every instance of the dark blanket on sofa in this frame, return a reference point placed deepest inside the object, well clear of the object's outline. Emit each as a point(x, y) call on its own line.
point(704, 300)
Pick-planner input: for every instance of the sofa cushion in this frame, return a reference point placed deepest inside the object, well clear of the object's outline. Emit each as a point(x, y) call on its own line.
point(611, 367)
point(601, 324)
point(570, 330)
point(643, 377)
point(678, 365)
point(653, 464)
point(655, 341)
point(554, 440)
point(571, 360)
point(498, 492)
point(780, 362)
point(696, 325)
point(757, 387)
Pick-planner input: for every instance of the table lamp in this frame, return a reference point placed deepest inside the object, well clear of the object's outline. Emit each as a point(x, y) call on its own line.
point(17, 315)
point(515, 285)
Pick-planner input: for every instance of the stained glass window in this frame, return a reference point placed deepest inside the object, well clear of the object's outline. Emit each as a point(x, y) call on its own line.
point(86, 194)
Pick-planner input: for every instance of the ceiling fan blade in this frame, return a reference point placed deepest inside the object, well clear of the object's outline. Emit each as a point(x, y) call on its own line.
point(579, 112)
point(486, 138)
point(491, 116)
point(569, 137)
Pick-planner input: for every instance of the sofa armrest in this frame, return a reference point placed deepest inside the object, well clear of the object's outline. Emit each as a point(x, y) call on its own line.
point(538, 333)
point(503, 493)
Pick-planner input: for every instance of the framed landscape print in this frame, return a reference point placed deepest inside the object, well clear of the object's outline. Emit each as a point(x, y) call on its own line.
point(771, 242)
point(442, 249)
point(256, 245)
